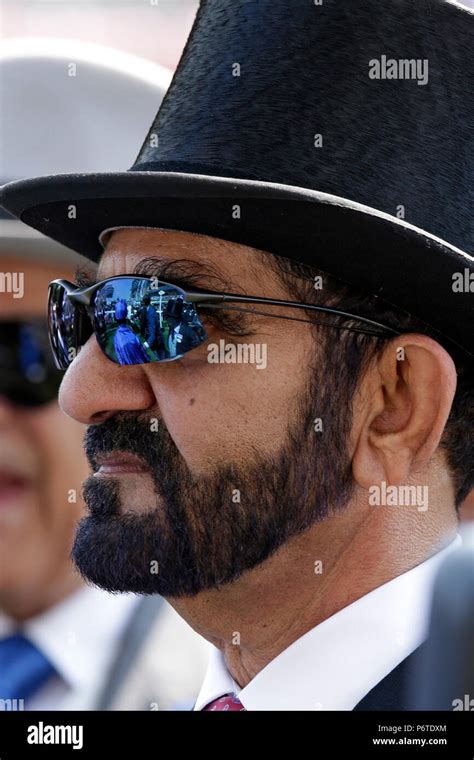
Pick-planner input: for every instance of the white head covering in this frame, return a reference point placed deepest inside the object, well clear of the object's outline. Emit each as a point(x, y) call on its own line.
point(69, 106)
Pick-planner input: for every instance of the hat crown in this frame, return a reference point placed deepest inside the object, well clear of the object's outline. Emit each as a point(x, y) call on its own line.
point(369, 101)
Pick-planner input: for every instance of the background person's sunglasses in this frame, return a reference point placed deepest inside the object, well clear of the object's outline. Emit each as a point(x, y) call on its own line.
point(28, 376)
point(139, 319)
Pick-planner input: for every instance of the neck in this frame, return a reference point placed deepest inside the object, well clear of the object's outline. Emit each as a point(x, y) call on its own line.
point(309, 579)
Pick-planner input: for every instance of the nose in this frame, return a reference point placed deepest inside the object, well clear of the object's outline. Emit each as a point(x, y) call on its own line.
point(94, 388)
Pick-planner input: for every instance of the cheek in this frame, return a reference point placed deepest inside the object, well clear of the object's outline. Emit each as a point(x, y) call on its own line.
point(218, 413)
point(41, 540)
point(64, 463)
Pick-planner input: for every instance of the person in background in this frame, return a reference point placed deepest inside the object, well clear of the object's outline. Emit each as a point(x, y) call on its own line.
point(150, 326)
point(466, 510)
point(65, 644)
point(128, 348)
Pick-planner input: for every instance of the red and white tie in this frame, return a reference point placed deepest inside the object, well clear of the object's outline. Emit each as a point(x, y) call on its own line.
point(227, 703)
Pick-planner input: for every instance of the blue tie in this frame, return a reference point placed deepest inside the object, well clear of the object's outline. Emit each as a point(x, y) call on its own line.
point(23, 668)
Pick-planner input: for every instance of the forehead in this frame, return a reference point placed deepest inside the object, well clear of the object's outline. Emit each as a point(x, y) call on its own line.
point(127, 247)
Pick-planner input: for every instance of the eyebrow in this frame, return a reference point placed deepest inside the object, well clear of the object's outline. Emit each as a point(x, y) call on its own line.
point(186, 273)
point(84, 277)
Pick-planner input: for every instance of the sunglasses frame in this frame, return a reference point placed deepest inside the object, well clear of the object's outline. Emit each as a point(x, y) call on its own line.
point(83, 296)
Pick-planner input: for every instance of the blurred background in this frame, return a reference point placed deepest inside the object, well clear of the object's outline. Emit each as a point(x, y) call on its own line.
point(153, 29)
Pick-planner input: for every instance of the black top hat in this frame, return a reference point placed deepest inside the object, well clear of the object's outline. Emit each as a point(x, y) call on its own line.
point(336, 133)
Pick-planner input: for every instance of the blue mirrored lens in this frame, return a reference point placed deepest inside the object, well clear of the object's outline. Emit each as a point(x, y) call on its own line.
point(139, 320)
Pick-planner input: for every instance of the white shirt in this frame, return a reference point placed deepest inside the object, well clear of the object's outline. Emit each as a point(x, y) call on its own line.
point(333, 666)
point(79, 636)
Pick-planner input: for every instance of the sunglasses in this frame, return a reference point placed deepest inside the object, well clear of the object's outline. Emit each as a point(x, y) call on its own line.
point(138, 319)
point(28, 375)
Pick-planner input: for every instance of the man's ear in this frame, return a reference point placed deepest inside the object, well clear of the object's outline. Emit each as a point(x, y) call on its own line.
point(405, 402)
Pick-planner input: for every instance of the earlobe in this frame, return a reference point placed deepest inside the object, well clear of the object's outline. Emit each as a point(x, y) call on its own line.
point(413, 386)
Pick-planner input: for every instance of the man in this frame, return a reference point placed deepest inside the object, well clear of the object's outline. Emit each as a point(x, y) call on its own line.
point(298, 515)
point(127, 346)
point(150, 325)
point(65, 644)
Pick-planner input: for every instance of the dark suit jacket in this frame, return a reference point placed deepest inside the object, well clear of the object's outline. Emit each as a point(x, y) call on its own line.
point(394, 692)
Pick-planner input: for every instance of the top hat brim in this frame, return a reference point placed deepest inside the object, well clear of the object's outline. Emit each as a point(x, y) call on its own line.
point(374, 252)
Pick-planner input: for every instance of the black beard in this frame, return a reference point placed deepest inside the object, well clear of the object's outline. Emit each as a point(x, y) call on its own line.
point(201, 536)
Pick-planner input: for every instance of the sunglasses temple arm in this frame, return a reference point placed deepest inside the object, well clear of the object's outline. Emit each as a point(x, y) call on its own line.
point(374, 333)
point(205, 298)
point(212, 299)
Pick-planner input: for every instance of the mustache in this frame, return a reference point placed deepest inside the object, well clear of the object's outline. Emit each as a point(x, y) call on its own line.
point(136, 434)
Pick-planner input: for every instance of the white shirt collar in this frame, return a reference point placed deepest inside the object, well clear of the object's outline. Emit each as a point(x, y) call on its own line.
point(333, 666)
point(79, 635)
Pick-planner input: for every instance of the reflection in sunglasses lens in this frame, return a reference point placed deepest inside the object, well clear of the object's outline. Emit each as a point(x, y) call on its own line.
point(136, 323)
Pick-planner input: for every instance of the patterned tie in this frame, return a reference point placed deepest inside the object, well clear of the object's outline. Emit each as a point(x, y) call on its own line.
point(23, 668)
point(228, 702)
